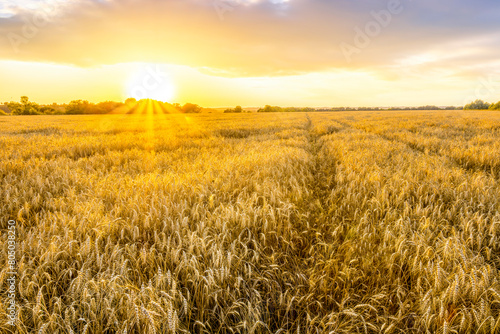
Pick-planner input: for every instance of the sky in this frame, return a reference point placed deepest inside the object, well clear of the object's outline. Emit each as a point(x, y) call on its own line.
point(252, 52)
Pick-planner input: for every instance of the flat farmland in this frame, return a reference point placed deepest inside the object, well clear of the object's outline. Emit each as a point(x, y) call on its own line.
point(346, 222)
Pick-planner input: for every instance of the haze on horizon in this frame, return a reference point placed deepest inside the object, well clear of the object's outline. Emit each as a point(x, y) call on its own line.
point(252, 52)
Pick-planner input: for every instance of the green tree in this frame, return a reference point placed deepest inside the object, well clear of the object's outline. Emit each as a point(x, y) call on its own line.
point(4, 109)
point(47, 110)
point(106, 107)
point(269, 108)
point(24, 108)
point(495, 106)
point(77, 107)
point(191, 108)
point(237, 109)
point(477, 105)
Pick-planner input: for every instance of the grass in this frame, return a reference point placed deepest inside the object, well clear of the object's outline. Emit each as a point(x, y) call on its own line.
point(361, 222)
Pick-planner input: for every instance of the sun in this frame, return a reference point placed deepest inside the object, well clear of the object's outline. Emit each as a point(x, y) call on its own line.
point(151, 81)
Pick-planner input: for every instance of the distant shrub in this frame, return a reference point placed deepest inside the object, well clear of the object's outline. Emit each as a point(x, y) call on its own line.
point(269, 108)
point(477, 105)
point(237, 109)
point(191, 108)
point(495, 106)
point(25, 107)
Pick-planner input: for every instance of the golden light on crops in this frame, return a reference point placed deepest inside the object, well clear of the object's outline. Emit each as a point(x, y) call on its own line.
point(173, 213)
point(249, 166)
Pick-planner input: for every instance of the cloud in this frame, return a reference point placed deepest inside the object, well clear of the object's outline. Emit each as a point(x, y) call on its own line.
point(255, 37)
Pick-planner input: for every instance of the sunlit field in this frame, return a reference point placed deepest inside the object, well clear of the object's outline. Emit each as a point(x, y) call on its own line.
point(348, 222)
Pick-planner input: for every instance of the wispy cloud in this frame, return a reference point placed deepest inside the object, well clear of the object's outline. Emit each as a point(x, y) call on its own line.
point(428, 50)
point(256, 39)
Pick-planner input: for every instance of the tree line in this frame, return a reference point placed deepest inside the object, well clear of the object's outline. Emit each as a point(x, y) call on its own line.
point(481, 105)
point(476, 105)
point(83, 107)
point(268, 108)
point(132, 106)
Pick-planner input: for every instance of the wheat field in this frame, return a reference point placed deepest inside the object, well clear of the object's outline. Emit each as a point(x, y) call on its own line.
point(347, 222)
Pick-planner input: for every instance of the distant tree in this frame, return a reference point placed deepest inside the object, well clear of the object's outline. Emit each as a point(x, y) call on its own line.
point(477, 105)
point(131, 100)
point(428, 107)
point(105, 107)
point(191, 108)
point(77, 107)
point(24, 108)
point(5, 108)
point(495, 106)
point(237, 109)
point(48, 110)
point(55, 109)
point(269, 108)
point(297, 109)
